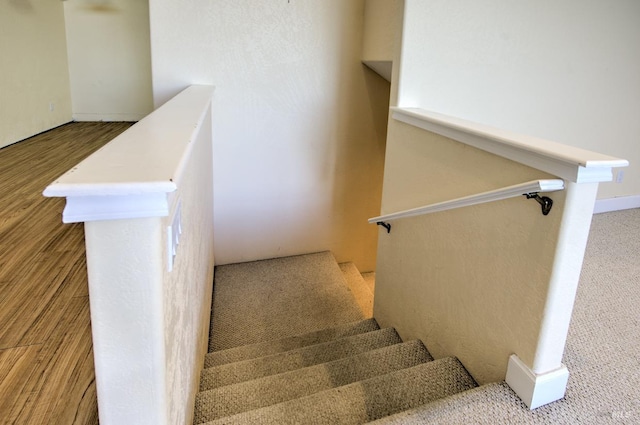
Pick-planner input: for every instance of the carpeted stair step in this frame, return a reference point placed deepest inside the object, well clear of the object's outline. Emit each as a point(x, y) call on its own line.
point(370, 280)
point(246, 370)
point(358, 287)
point(366, 400)
point(237, 398)
point(272, 299)
point(262, 349)
point(490, 403)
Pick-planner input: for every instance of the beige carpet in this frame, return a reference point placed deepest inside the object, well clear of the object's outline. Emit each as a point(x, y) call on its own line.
point(278, 388)
point(261, 349)
point(233, 373)
point(365, 400)
point(358, 287)
point(348, 373)
point(603, 348)
point(250, 299)
point(602, 352)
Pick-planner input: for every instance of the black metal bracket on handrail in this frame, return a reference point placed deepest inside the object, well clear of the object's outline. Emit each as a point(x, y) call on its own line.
point(385, 225)
point(545, 202)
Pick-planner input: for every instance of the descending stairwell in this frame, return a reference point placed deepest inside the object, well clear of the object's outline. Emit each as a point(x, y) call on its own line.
point(350, 372)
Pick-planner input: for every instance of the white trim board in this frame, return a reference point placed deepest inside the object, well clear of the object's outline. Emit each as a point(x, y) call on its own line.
point(536, 389)
point(570, 163)
point(382, 68)
point(616, 204)
point(136, 174)
point(81, 209)
point(108, 117)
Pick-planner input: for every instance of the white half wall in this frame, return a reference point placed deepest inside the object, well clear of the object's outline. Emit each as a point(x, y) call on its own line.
point(150, 311)
point(485, 281)
point(299, 125)
point(566, 70)
point(34, 83)
point(443, 277)
point(109, 59)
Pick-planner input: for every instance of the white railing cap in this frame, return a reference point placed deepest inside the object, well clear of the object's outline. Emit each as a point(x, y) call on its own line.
point(137, 169)
point(569, 162)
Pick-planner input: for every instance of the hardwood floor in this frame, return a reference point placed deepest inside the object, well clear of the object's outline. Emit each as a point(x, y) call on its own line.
point(46, 357)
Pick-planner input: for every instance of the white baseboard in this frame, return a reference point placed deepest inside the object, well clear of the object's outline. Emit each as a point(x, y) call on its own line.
point(616, 204)
point(107, 117)
point(536, 389)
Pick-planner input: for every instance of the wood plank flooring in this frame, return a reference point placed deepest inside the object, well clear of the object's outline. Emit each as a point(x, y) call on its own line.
point(46, 357)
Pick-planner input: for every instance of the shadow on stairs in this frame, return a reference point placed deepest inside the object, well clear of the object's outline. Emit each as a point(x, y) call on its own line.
point(292, 342)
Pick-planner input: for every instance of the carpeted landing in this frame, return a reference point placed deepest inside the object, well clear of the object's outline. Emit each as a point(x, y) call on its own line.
point(293, 342)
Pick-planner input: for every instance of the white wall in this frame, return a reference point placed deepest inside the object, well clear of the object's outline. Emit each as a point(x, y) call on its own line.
point(33, 69)
point(109, 59)
point(565, 70)
point(299, 126)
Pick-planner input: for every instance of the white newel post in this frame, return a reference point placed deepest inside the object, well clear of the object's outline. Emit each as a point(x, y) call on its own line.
point(546, 379)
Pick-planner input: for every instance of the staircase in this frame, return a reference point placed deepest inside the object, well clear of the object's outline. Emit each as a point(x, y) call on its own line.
point(350, 372)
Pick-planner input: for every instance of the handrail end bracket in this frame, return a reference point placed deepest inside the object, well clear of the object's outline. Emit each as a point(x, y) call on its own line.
point(385, 225)
point(545, 202)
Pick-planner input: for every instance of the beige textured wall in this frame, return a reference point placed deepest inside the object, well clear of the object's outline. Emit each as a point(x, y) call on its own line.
point(299, 126)
point(109, 59)
point(189, 287)
point(380, 29)
point(33, 69)
point(566, 70)
point(470, 282)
